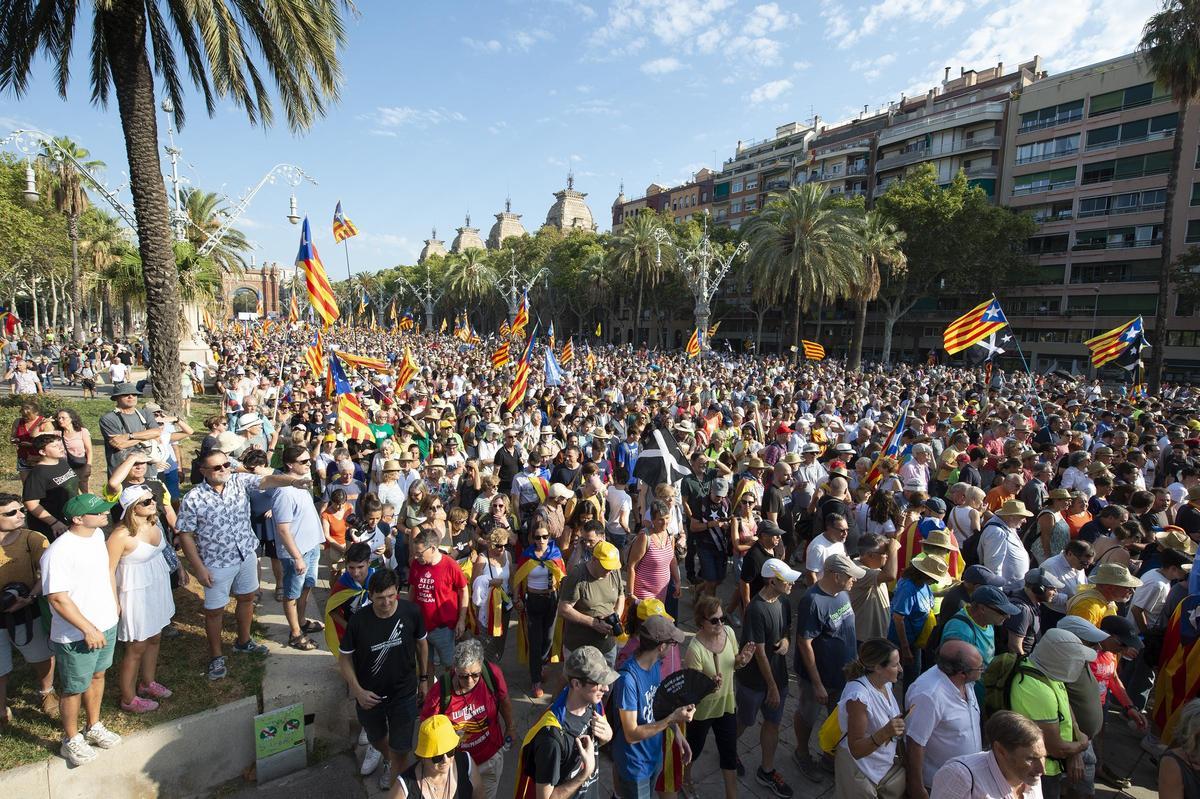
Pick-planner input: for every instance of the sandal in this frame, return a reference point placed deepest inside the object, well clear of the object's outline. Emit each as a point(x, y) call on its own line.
point(302, 642)
point(312, 626)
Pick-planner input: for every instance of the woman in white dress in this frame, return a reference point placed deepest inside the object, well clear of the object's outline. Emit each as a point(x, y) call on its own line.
point(868, 764)
point(136, 557)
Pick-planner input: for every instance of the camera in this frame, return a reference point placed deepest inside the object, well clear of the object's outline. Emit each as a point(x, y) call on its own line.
point(11, 593)
point(614, 621)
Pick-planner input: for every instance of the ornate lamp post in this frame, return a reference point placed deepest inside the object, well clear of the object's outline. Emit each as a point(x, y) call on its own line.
point(512, 285)
point(703, 267)
point(425, 295)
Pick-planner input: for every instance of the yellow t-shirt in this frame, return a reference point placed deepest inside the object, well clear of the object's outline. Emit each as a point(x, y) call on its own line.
point(1090, 604)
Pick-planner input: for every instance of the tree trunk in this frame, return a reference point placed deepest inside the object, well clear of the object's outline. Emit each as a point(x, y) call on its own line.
point(1158, 353)
point(796, 324)
point(860, 329)
point(637, 315)
point(53, 303)
point(889, 323)
point(126, 316)
point(762, 314)
point(124, 26)
point(76, 280)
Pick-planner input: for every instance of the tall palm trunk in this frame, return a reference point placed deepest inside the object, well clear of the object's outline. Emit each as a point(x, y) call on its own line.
point(637, 316)
point(1158, 354)
point(76, 287)
point(796, 333)
point(860, 329)
point(125, 43)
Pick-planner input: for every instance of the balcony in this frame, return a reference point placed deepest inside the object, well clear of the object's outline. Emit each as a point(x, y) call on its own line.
point(857, 169)
point(1129, 209)
point(993, 111)
point(1073, 115)
point(1037, 188)
point(1155, 136)
point(988, 171)
point(919, 154)
point(775, 185)
point(1049, 219)
point(1033, 159)
point(1116, 245)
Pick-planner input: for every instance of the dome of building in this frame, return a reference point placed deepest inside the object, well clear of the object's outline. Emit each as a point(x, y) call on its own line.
point(433, 246)
point(467, 239)
point(569, 211)
point(507, 224)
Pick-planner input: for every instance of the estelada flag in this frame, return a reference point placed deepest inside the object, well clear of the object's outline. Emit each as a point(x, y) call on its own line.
point(343, 228)
point(521, 379)
point(314, 356)
point(1109, 346)
point(974, 326)
point(500, 356)
point(693, 344)
point(344, 590)
point(408, 370)
point(1178, 680)
point(891, 447)
point(320, 293)
point(812, 350)
point(521, 320)
point(293, 310)
point(505, 330)
point(525, 786)
point(362, 361)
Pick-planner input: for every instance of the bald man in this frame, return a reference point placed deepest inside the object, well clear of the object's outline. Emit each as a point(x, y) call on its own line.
point(943, 718)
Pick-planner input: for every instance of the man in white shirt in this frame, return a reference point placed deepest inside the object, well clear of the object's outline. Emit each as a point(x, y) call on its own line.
point(1178, 490)
point(299, 537)
point(943, 715)
point(830, 542)
point(83, 624)
point(1000, 548)
point(1146, 606)
point(1070, 567)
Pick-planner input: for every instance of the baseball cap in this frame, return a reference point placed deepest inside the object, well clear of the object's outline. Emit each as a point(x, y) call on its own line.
point(993, 597)
point(1040, 578)
point(83, 504)
point(935, 504)
point(721, 487)
point(768, 527)
point(982, 575)
point(132, 495)
point(1082, 629)
point(660, 631)
point(840, 564)
point(774, 567)
point(586, 663)
point(607, 555)
point(652, 607)
point(1124, 630)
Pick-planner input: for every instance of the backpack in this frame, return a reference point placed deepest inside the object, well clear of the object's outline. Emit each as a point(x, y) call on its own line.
point(489, 680)
point(970, 548)
point(1004, 670)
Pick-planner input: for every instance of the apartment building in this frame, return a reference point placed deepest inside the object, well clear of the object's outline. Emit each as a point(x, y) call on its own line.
point(681, 202)
point(757, 169)
point(842, 157)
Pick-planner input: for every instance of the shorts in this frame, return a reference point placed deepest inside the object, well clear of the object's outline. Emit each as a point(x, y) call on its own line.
point(294, 584)
point(35, 650)
point(713, 565)
point(629, 789)
point(392, 719)
point(751, 700)
point(239, 579)
point(724, 730)
point(76, 664)
point(441, 645)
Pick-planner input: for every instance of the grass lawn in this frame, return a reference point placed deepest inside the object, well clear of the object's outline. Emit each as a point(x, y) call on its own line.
point(182, 661)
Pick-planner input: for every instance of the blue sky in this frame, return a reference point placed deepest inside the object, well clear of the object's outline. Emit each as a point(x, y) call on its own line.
point(448, 107)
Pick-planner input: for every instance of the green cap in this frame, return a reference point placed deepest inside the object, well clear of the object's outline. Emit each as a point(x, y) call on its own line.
point(85, 503)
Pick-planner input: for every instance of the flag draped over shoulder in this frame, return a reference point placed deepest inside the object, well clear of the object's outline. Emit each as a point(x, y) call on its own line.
point(812, 350)
point(1178, 679)
point(891, 446)
point(693, 344)
point(352, 419)
point(521, 379)
point(1111, 345)
point(320, 293)
point(408, 370)
point(343, 228)
point(974, 326)
point(342, 591)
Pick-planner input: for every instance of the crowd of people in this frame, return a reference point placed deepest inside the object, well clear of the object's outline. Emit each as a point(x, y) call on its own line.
point(967, 614)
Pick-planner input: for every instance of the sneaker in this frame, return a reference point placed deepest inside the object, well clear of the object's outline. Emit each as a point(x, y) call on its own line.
point(775, 782)
point(371, 759)
point(101, 736)
point(808, 769)
point(362, 738)
point(139, 705)
point(50, 704)
point(77, 751)
point(216, 668)
point(251, 647)
point(385, 779)
point(156, 690)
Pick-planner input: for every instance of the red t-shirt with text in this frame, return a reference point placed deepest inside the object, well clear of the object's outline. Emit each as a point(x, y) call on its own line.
point(475, 715)
point(437, 590)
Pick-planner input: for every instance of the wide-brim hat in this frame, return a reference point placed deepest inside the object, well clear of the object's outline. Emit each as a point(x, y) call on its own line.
point(1114, 574)
point(124, 390)
point(932, 566)
point(436, 736)
point(756, 463)
point(600, 432)
point(941, 539)
point(1175, 538)
point(1059, 493)
point(792, 459)
point(1013, 507)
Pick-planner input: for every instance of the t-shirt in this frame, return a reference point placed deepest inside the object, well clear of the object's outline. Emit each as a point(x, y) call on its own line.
point(752, 563)
point(116, 423)
point(385, 650)
point(1040, 702)
point(819, 549)
point(872, 605)
point(592, 596)
point(1025, 623)
point(295, 507)
point(765, 623)
point(779, 501)
point(828, 621)
point(437, 591)
point(1084, 695)
point(634, 690)
point(962, 627)
point(78, 566)
point(1151, 596)
point(913, 602)
point(19, 559)
point(1188, 517)
point(1090, 604)
point(475, 714)
point(703, 659)
point(52, 485)
point(555, 758)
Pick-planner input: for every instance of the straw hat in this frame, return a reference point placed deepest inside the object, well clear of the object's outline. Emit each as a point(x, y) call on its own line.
point(940, 539)
point(1059, 493)
point(1175, 538)
point(391, 466)
point(1013, 507)
point(436, 736)
point(1114, 574)
point(756, 463)
point(933, 566)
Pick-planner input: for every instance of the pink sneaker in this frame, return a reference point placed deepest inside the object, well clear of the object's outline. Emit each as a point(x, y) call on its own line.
point(139, 705)
point(156, 690)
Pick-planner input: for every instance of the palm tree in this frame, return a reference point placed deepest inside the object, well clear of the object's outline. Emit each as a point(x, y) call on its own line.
point(225, 47)
point(1171, 47)
point(803, 247)
point(879, 246)
point(206, 214)
point(470, 278)
point(71, 201)
point(637, 255)
point(103, 245)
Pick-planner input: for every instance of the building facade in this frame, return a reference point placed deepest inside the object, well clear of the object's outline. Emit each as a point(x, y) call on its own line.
point(758, 169)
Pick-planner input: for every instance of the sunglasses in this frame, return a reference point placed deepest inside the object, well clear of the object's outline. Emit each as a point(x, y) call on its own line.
point(437, 760)
point(304, 460)
point(535, 538)
point(12, 512)
point(716, 619)
point(146, 503)
point(220, 467)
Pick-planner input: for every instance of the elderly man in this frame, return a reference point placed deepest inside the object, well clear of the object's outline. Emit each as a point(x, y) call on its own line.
point(1012, 768)
point(916, 471)
point(943, 715)
point(830, 542)
point(1000, 547)
point(474, 695)
point(214, 529)
point(591, 599)
point(125, 426)
point(1111, 584)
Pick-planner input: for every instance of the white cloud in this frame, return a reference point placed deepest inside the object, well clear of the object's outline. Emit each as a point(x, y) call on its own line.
point(769, 91)
point(593, 107)
point(582, 10)
point(800, 66)
point(525, 40)
point(757, 50)
point(387, 119)
point(488, 46)
point(769, 18)
point(497, 127)
point(661, 66)
point(710, 40)
point(938, 12)
point(872, 68)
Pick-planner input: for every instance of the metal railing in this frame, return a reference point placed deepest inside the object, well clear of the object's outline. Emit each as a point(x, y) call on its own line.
point(1033, 159)
point(1115, 245)
point(923, 153)
point(1037, 188)
point(938, 120)
point(1060, 119)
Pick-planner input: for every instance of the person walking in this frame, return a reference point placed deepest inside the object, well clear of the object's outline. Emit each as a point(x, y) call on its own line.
point(1013, 767)
point(540, 571)
point(438, 587)
point(912, 604)
point(442, 770)
point(868, 763)
point(943, 715)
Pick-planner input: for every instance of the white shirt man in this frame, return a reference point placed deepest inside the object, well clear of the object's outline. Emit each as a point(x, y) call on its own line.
point(1071, 577)
point(1001, 550)
point(943, 711)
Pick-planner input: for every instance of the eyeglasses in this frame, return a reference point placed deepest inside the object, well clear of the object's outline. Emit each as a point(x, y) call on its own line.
point(220, 467)
point(472, 676)
point(147, 502)
point(541, 538)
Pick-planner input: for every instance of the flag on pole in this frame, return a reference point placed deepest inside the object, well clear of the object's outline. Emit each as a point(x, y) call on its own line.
point(343, 228)
point(406, 321)
point(598, 333)
point(392, 312)
point(550, 334)
point(973, 326)
point(1111, 345)
point(352, 420)
point(505, 330)
point(553, 372)
point(501, 356)
point(693, 344)
point(568, 353)
point(521, 320)
point(443, 328)
point(1178, 679)
point(320, 293)
point(712, 330)
point(408, 370)
point(891, 446)
point(208, 320)
point(363, 302)
point(521, 379)
point(590, 360)
point(293, 310)
point(362, 361)
point(258, 307)
point(314, 356)
point(812, 350)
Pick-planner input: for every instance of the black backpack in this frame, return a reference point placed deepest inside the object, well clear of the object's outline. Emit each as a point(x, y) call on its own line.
point(970, 548)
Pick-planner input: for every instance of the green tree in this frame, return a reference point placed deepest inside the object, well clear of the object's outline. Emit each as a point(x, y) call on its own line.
point(224, 47)
point(206, 213)
point(1170, 46)
point(881, 244)
point(71, 201)
point(803, 246)
point(636, 255)
point(470, 278)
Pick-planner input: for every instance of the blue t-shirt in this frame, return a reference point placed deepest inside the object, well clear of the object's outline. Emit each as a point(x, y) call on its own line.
point(913, 603)
point(635, 690)
point(828, 622)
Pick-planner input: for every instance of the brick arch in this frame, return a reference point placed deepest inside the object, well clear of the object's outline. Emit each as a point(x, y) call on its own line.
point(263, 282)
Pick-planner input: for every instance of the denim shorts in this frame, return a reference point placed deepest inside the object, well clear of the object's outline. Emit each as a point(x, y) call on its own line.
point(239, 579)
point(294, 584)
point(713, 564)
point(750, 701)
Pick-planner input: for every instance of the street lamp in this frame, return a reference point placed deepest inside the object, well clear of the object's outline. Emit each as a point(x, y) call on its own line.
point(512, 286)
point(31, 193)
point(703, 267)
point(292, 216)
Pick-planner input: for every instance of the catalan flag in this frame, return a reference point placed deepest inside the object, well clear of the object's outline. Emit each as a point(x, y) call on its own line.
point(712, 330)
point(550, 334)
point(693, 344)
point(1178, 678)
point(568, 353)
point(974, 326)
point(363, 302)
point(314, 356)
point(500, 355)
point(320, 293)
point(208, 320)
point(812, 350)
point(352, 419)
point(406, 321)
point(443, 327)
point(293, 310)
point(521, 380)
point(408, 370)
point(505, 330)
point(392, 311)
point(362, 361)
point(1111, 345)
point(521, 320)
point(590, 359)
point(598, 330)
point(891, 446)
point(343, 228)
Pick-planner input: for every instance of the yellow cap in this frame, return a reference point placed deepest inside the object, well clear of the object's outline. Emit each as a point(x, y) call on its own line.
point(436, 736)
point(652, 607)
point(607, 555)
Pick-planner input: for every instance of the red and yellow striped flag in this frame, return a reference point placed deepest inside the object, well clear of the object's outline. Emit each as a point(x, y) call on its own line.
point(314, 356)
point(1178, 679)
point(362, 361)
point(521, 380)
point(320, 293)
point(693, 344)
point(293, 310)
point(521, 320)
point(501, 356)
point(812, 350)
point(590, 358)
point(343, 228)
point(974, 326)
point(1109, 346)
point(505, 330)
point(568, 353)
point(408, 370)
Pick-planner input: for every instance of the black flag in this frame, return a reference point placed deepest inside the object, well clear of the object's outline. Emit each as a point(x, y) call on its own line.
point(661, 460)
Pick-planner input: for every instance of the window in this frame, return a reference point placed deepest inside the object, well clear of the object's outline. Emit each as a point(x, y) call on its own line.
point(737, 186)
point(1093, 206)
point(1185, 305)
point(1051, 212)
point(1044, 181)
point(1134, 166)
point(751, 184)
point(735, 207)
point(1193, 231)
point(720, 190)
point(1127, 304)
point(1044, 275)
point(1047, 149)
point(1054, 115)
point(751, 205)
point(1043, 245)
point(1099, 172)
point(1134, 96)
point(1116, 238)
point(1182, 338)
point(1195, 194)
point(1133, 271)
